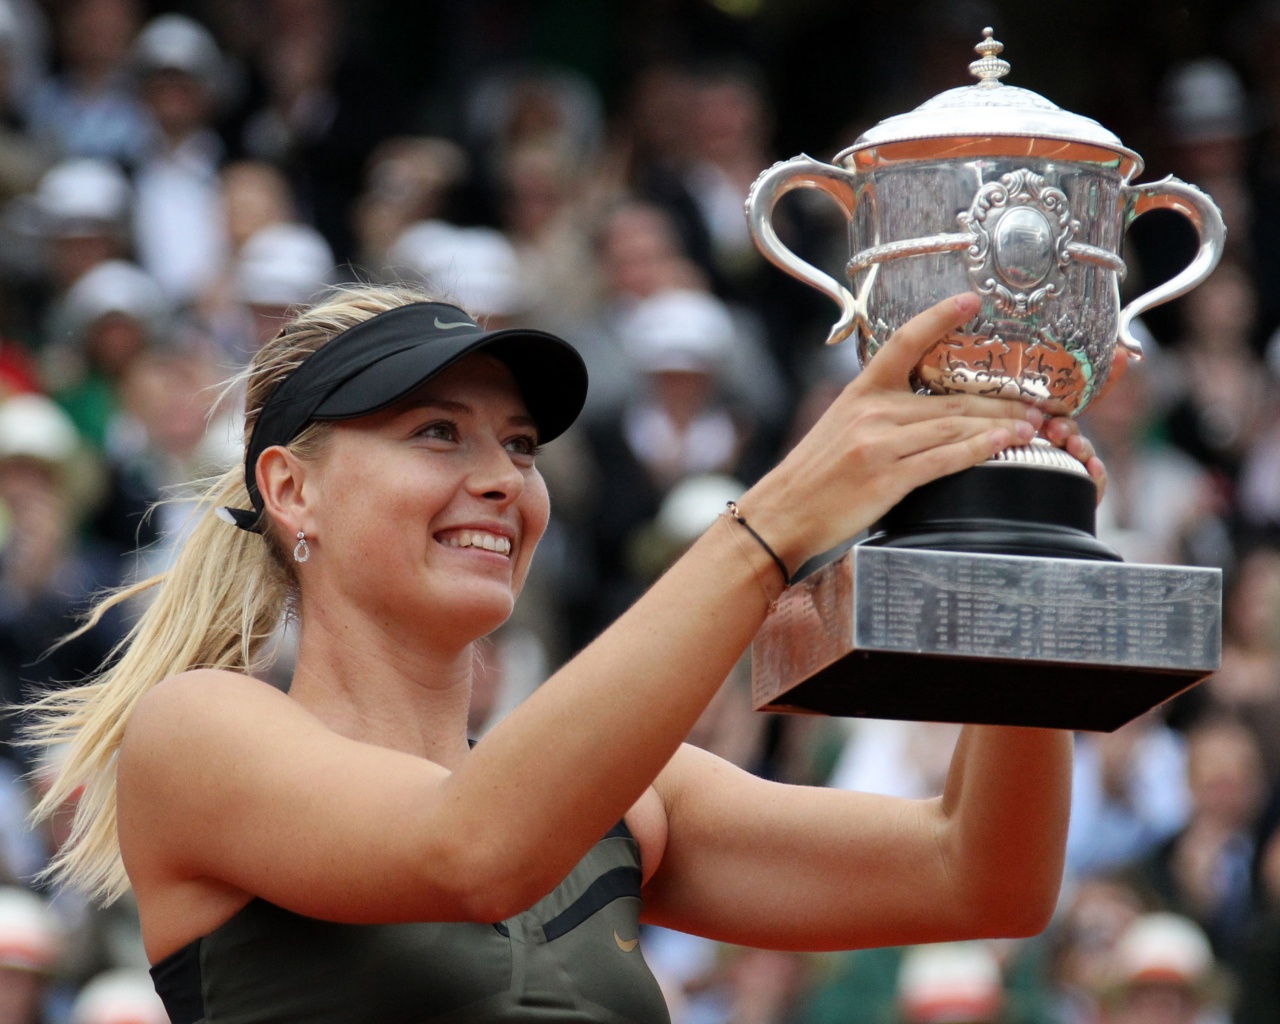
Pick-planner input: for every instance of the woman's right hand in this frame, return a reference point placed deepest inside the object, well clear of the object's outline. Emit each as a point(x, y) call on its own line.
point(880, 440)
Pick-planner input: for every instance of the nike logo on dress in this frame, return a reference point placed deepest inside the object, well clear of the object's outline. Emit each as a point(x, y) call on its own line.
point(626, 946)
point(445, 327)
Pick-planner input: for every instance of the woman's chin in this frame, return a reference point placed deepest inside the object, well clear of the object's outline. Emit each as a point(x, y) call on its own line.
point(472, 616)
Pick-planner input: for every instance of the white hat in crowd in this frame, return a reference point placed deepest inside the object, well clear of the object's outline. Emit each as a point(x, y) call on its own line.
point(475, 267)
point(950, 982)
point(1162, 947)
point(173, 42)
point(83, 196)
point(10, 28)
point(282, 265)
point(693, 504)
point(35, 427)
point(1204, 99)
point(119, 997)
point(29, 936)
point(681, 330)
point(116, 286)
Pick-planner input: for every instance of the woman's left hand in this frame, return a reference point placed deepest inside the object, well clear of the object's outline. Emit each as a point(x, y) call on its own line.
point(1065, 433)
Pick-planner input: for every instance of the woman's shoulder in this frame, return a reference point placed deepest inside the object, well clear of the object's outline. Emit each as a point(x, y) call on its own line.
point(193, 709)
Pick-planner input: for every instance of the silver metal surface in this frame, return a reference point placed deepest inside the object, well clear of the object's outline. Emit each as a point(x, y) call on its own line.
point(1041, 453)
point(996, 190)
point(954, 120)
point(1023, 617)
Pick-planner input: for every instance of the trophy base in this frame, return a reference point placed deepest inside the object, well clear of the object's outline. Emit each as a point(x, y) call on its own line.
point(1023, 618)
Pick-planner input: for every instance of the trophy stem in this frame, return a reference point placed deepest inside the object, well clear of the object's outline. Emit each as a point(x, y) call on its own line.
point(999, 508)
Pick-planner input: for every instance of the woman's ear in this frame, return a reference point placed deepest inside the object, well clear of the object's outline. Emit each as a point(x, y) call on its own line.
point(281, 482)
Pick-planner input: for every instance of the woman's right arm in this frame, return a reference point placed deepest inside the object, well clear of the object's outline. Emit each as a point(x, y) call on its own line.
point(231, 781)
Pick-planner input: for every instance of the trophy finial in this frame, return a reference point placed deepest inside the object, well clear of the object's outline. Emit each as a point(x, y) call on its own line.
point(990, 69)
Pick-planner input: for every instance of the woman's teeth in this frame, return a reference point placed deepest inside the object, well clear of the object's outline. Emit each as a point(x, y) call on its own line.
point(476, 539)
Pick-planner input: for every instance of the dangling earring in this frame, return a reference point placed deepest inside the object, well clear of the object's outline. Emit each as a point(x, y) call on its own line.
point(301, 552)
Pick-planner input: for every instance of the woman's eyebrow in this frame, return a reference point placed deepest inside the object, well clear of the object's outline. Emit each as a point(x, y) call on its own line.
point(459, 408)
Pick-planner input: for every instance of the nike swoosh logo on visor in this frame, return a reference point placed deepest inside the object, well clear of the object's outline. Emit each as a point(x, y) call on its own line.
point(626, 945)
point(446, 327)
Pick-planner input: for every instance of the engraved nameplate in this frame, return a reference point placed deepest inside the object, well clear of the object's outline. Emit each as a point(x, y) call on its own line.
point(1041, 609)
point(946, 636)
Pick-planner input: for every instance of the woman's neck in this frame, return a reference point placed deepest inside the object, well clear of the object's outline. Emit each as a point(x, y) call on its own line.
point(393, 691)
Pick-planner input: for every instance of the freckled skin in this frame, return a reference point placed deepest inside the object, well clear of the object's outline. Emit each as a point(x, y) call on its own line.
point(392, 486)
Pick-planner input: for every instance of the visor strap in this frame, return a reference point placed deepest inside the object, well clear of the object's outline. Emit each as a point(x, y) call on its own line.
point(244, 518)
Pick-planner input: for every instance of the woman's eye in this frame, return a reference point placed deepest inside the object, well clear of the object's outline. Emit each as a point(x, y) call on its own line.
point(441, 430)
point(524, 445)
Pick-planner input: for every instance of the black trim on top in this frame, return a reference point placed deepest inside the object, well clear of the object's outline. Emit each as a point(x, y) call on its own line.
point(619, 831)
point(612, 885)
point(178, 983)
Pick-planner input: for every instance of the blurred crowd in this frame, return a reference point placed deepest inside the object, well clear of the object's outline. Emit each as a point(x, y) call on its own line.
point(173, 178)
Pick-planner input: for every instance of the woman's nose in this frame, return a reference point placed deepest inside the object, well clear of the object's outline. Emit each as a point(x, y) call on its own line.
point(495, 476)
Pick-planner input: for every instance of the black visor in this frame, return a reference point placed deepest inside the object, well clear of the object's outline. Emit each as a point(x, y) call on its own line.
point(377, 362)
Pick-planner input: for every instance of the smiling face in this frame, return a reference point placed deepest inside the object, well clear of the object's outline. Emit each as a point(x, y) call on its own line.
point(429, 512)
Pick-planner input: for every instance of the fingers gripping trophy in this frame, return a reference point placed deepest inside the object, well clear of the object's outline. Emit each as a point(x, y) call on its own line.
point(985, 596)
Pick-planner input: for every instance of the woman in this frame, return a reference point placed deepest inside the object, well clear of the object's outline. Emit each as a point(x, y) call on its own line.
point(340, 853)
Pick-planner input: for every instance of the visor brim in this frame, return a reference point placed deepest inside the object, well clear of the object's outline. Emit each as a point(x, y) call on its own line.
point(549, 372)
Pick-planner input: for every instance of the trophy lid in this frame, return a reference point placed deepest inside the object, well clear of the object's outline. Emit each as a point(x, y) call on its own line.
point(989, 118)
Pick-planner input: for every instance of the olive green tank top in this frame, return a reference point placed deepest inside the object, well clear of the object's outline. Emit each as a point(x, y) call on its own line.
point(573, 957)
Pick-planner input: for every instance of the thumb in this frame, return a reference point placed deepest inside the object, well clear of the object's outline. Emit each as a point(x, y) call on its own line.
point(891, 366)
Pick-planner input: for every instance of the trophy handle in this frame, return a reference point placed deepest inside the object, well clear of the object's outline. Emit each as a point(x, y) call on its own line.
point(1172, 194)
point(804, 172)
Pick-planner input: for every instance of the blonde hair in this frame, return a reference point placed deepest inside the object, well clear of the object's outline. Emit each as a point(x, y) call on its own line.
point(222, 599)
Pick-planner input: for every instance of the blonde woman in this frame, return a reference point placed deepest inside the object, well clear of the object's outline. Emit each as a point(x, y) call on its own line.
point(341, 853)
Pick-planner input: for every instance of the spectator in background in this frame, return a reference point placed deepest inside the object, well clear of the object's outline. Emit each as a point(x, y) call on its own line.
point(322, 111)
point(1209, 124)
point(1259, 1000)
point(950, 983)
point(547, 202)
point(729, 138)
point(1161, 506)
point(679, 422)
point(639, 256)
point(1223, 404)
point(120, 996)
point(1206, 122)
point(47, 577)
point(109, 317)
point(1205, 872)
point(1093, 914)
point(90, 108)
point(1128, 795)
point(553, 109)
point(255, 196)
point(82, 209)
point(638, 253)
point(409, 179)
point(29, 951)
point(907, 759)
point(279, 266)
point(22, 160)
point(1163, 972)
point(179, 223)
point(1247, 686)
point(655, 148)
point(175, 434)
point(475, 267)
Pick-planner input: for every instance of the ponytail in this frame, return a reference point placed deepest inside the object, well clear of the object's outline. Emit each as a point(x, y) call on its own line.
point(216, 607)
point(219, 603)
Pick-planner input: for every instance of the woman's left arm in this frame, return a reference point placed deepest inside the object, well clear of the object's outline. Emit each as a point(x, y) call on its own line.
point(790, 867)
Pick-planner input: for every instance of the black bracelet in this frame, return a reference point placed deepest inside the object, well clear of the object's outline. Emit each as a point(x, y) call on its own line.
point(732, 507)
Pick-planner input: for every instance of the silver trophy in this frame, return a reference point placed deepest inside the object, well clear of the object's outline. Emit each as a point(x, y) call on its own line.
point(985, 596)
